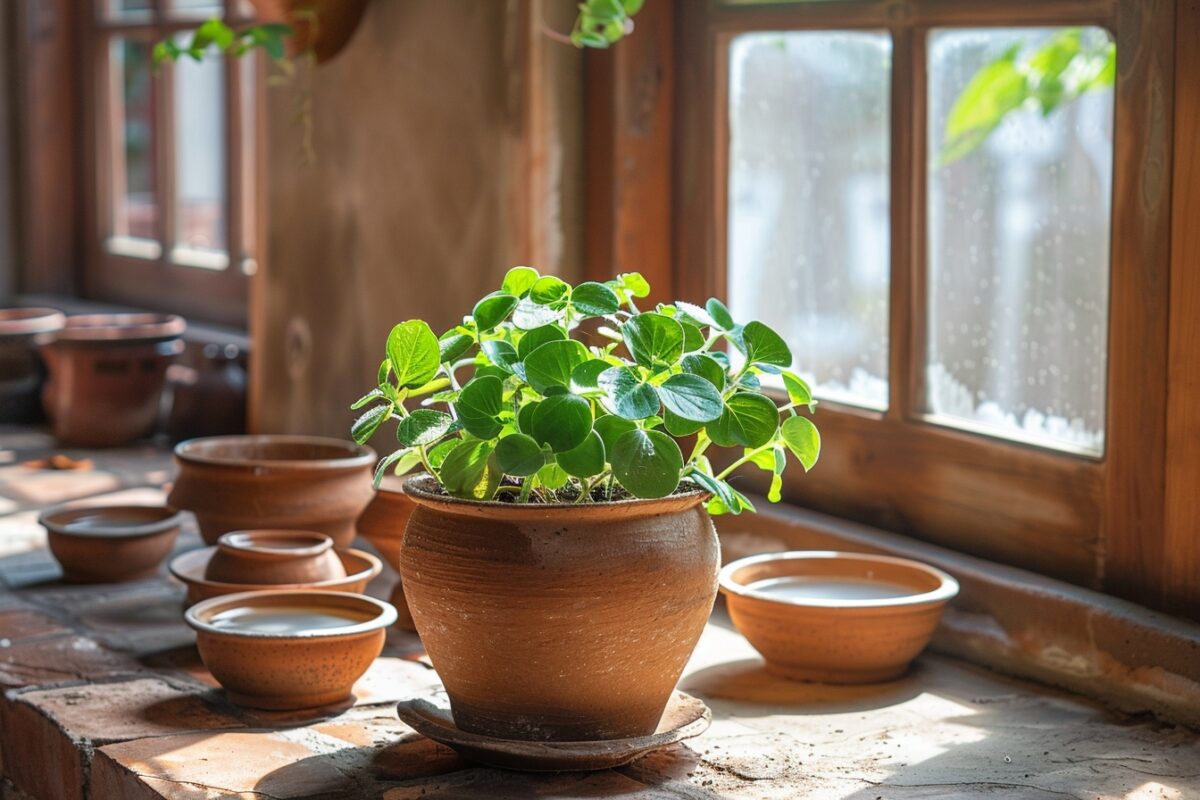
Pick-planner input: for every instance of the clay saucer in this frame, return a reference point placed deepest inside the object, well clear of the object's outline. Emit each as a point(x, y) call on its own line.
point(109, 544)
point(830, 617)
point(190, 567)
point(430, 716)
point(274, 557)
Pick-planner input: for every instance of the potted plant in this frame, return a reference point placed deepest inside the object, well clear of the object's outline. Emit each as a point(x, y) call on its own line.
point(561, 563)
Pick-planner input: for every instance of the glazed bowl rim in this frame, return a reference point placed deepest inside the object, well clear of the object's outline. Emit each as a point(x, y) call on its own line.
point(384, 617)
point(374, 567)
point(173, 519)
point(356, 455)
point(31, 320)
point(414, 488)
point(947, 586)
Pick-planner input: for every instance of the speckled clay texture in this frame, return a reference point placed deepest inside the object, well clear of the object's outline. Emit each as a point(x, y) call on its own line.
point(189, 567)
point(115, 555)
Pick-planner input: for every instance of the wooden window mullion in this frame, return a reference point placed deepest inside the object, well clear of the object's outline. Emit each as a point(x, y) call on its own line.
point(905, 310)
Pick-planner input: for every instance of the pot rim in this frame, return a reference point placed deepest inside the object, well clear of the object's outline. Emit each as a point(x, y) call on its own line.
point(946, 590)
point(121, 327)
point(172, 519)
point(356, 455)
point(259, 542)
point(177, 566)
point(385, 613)
point(30, 320)
point(418, 488)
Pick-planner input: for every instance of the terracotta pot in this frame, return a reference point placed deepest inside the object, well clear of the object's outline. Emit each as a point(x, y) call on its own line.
point(836, 617)
point(382, 524)
point(289, 649)
point(21, 369)
point(306, 483)
point(559, 622)
point(109, 544)
point(208, 392)
point(106, 376)
point(274, 557)
point(360, 568)
point(336, 21)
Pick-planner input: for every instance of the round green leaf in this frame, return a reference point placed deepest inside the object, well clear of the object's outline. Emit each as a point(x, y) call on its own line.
point(798, 389)
point(719, 314)
point(562, 421)
point(414, 353)
point(529, 315)
point(706, 367)
point(423, 427)
point(693, 337)
point(537, 337)
point(585, 460)
point(547, 290)
point(764, 346)
point(594, 299)
point(493, 309)
point(464, 470)
point(678, 426)
point(453, 345)
point(586, 376)
point(525, 417)
point(749, 420)
point(697, 314)
point(519, 280)
point(626, 395)
point(803, 439)
point(653, 338)
point(551, 364)
point(552, 476)
point(691, 397)
point(610, 428)
point(479, 406)
point(501, 354)
point(634, 283)
point(519, 455)
point(647, 463)
point(365, 426)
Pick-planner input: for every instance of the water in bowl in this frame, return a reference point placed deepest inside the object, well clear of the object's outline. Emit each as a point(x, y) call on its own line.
point(802, 588)
point(104, 522)
point(283, 619)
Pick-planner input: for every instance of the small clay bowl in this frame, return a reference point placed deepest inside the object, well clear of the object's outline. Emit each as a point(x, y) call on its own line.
point(190, 567)
point(110, 544)
point(831, 617)
point(274, 557)
point(308, 483)
point(286, 650)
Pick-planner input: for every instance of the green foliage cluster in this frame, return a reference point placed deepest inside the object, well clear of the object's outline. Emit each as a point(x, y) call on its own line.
point(604, 22)
point(214, 33)
point(573, 391)
point(1060, 70)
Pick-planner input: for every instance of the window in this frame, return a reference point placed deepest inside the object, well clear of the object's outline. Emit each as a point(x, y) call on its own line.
point(944, 208)
point(172, 223)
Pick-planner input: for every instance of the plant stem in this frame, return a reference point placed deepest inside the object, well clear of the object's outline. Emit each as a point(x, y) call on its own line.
point(744, 459)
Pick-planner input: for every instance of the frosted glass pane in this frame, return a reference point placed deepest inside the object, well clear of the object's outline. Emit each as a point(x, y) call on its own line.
point(1019, 224)
point(133, 224)
point(200, 163)
point(808, 201)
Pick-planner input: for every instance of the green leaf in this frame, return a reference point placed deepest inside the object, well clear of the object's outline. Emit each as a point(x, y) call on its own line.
point(547, 290)
point(537, 337)
point(633, 6)
point(610, 428)
point(586, 376)
point(706, 367)
point(414, 353)
point(764, 346)
point(525, 417)
point(529, 315)
point(453, 345)
point(678, 426)
point(720, 490)
point(634, 283)
point(374, 394)
point(551, 364)
point(562, 422)
point(691, 397)
point(647, 463)
point(437, 456)
point(803, 439)
point(775, 493)
point(501, 354)
point(719, 314)
point(585, 460)
point(653, 339)
point(427, 388)
point(696, 314)
point(991, 94)
point(519, 455)
point(366, 425)
point(553, 477)
point(797, 389)
point(479, 406)
point(519, 280)
point(403, 459)
point(595, 299)
point(423, 426)
point(493, 309)
point(627, 395)
point(693, 337)
point(464, 472)
point(749, 420)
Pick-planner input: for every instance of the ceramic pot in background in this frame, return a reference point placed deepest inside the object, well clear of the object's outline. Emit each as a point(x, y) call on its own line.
point(559, 622)
point(335, 23)
point(109, 544)
point(106, 376)
point(21, 369)
point(208, 392)
point(305, 483)
point(382, 524)
point(272, 557)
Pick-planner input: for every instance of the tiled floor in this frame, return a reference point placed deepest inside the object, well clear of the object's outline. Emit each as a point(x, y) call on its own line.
point(104, 697)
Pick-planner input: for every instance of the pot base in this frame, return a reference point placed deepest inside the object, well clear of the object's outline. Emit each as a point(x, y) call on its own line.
point(840, 677)
point(429, 715)
point(318, 705)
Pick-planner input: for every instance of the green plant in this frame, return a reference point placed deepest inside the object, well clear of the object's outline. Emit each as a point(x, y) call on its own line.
point(214, 33)
point(574, 392)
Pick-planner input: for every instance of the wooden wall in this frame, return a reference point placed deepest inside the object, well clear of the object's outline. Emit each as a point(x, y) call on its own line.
point(448, 148)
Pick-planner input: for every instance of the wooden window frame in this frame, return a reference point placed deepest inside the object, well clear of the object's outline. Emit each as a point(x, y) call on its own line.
point(163, 283)
point(1098, 523)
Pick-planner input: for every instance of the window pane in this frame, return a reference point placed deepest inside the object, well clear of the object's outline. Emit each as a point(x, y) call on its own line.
point(808, 201)
point(127, 10)
point(194, 8)
point(200, 163)
point(132, 136)
point(1019, 222)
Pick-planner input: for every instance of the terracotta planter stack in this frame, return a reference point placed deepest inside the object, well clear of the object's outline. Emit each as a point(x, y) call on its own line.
point(22, 330)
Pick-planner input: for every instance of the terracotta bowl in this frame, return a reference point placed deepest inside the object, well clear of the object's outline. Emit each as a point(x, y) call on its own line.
point(289, 649)
point(836, 617)
point(21, 369)
point(274, 557)
point(360, 567)
point(308, 483)
point(108, 544)
point(382, 524)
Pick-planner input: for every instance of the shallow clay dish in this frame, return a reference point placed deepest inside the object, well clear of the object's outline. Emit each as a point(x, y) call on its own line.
point(360, 567)
point(286, 650)
point(274, 557)
point(430, 716)
point(308, 483)
point(108, 544)
point(835, 617)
